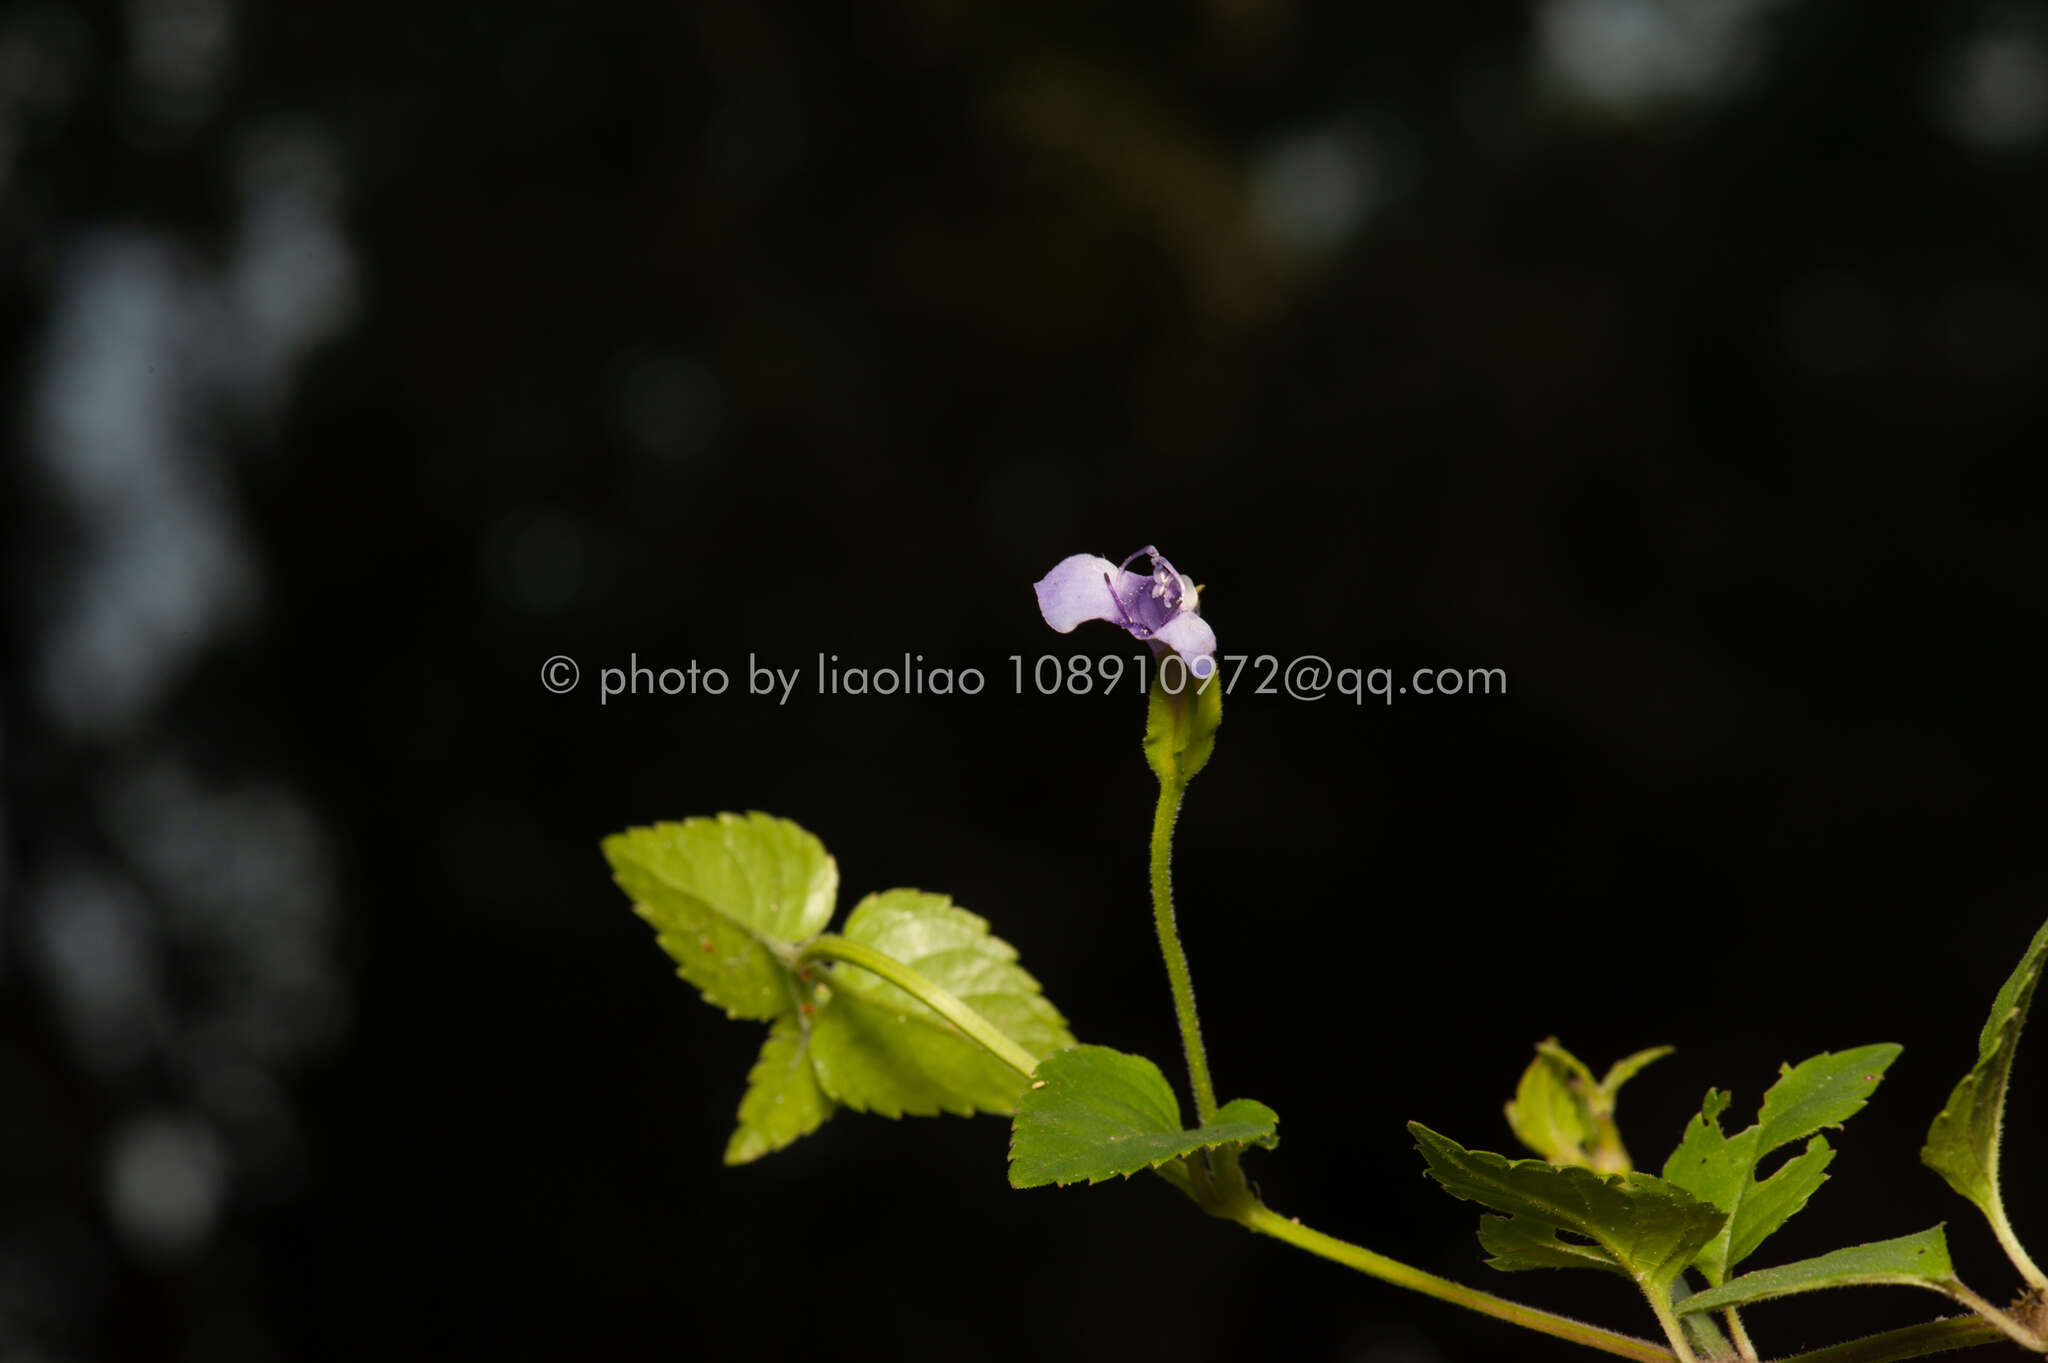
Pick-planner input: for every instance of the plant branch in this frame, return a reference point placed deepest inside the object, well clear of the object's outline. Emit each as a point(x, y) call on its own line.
point(1265, 1221)
point(2018, 1333)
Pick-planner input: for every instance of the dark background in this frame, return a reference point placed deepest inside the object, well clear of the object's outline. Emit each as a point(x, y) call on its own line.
point(1675, 359)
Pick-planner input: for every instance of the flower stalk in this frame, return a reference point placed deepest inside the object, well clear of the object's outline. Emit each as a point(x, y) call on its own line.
point(1177, 976)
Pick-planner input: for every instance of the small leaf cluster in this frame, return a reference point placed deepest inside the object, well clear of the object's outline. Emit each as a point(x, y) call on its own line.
point(740, 903)
point(1581, 1207)
point(734, 899)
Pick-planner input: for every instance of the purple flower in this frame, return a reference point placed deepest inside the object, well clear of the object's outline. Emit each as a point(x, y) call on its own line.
point(1159, 608)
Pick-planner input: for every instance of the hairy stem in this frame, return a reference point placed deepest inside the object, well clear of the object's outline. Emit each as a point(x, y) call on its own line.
point(1660, 1303)
point(1170, 792)
point(1265, 1221)
point(2014, 1250)
point(2018, 1333)
point(1740, 1334)
point(831, 947)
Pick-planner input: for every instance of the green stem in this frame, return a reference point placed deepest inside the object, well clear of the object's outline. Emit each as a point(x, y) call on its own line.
point(1660, 1303)
point(1265, 1221)
point(831, 947)
point(1740, 1334)
point(2018, 1333)
point(1914, 1341)
point(2014, 1250)
point(1170, 792)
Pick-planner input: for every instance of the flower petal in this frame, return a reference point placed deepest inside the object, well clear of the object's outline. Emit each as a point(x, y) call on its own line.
point(1189, 635)
point(1078, 589)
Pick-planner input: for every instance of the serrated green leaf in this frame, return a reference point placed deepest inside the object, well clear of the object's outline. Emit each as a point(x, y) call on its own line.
point(1094, 1114)
point(1702, 1164)
point(1962, 1144)
point(1824, 1090)
point(1919, 1260)
point(719, 892)
point(877, 1049)
point(938, 938)
point(1772, 1202)
point(783, 1102)
point(1649, 1227)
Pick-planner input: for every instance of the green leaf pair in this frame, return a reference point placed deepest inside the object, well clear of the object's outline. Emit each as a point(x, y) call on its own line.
point(733, 898)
